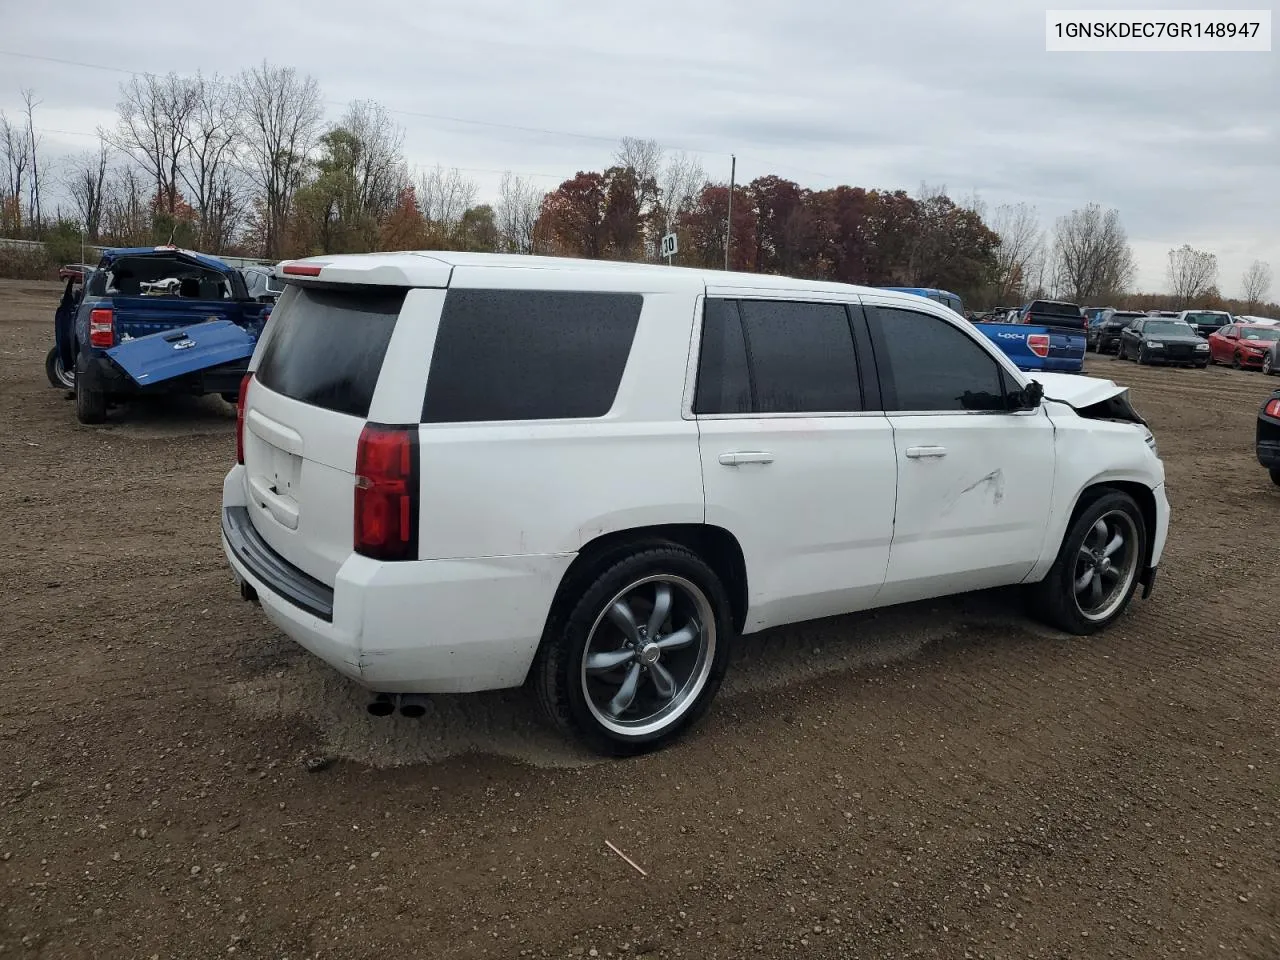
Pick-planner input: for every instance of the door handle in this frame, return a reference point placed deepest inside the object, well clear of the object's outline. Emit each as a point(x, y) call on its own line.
point(746, 456)
point(921, 453)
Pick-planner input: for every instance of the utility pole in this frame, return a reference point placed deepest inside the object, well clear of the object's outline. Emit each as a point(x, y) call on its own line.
point(728, 232)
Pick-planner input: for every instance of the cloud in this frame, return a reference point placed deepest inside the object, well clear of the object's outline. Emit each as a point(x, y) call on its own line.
point(887, 93)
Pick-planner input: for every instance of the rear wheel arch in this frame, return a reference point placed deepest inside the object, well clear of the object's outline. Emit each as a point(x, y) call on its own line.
point(716, 546)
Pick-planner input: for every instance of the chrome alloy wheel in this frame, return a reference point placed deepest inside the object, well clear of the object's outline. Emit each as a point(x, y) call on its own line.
point(648, 655)
point(1106, 565)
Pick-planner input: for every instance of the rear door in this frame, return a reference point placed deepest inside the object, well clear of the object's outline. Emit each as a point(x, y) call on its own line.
point(797, 458)
point(316, 383)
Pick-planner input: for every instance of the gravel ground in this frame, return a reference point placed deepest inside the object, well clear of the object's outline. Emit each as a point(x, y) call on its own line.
point(938, 780)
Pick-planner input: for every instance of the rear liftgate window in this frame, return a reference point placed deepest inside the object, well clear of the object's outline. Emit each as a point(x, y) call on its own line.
point(529, 355)
point(328, 346)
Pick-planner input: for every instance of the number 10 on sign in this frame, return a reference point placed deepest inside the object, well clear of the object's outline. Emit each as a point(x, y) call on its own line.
point(669, 247)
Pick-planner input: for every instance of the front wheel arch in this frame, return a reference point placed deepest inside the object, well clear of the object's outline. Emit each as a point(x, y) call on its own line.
point(1143, 495)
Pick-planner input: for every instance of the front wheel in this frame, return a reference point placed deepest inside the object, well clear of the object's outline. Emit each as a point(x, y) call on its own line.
point(1268, 365)
point(635, 658)
point(58, 374)
point(1143, 357)
point(1275, 476)
point(1235, 361)
point(1096, 572)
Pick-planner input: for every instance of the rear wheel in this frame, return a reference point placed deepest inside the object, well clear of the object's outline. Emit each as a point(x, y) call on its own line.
point(91, 403)
point(1096, 572)
point(632, 661)
point(58, 374)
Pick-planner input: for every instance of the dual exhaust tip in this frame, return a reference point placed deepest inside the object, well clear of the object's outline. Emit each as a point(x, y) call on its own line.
point(412, 705)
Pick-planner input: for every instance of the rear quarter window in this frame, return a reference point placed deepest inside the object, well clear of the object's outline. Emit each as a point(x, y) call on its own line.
point(326, 347)
point(529, 355)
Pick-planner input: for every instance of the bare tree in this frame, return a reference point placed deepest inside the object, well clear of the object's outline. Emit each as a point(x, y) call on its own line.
point(36, 217)
point(444, 196)
point(679, 184)
point(126, 219)
point(1092, 260)
point(153, 128)
point(85, 180)
point(666, 185)
point(1020, 254)
point(1191, 273)
point(16, 149)
point(207, 148)
point(1256, 284)
point(380, 172)
point(282, 115)
point(519, 204)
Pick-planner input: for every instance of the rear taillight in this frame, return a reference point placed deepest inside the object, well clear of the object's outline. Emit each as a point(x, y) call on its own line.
point(1272, 409)
point(386, 497)
point(102, 328)
point(1038, 343)
point(244, 393)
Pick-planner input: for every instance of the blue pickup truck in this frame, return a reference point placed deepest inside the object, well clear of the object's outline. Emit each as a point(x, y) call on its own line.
point(1047, 335)
point(154, 320)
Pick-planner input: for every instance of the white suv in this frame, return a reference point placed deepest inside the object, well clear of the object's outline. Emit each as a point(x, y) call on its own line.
point(462, 472)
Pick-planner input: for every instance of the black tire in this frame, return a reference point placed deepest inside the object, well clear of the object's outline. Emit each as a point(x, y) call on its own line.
point(560, 672)
point(1142, 358)
point(1235, 362)
point(1269, 364)
point(1054, 598)
point(58, 375)
point(91, 402)
point(1275, 476)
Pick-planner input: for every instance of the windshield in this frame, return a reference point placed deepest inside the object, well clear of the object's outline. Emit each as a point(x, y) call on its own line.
point(1168, 328)
point(1260, 333)
point(1120, 319)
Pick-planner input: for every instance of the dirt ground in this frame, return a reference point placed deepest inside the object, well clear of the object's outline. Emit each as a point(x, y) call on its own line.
point(941, 780)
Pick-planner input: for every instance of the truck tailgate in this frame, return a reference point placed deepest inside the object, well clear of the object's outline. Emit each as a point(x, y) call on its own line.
point(174, 353)
point(1038, 347)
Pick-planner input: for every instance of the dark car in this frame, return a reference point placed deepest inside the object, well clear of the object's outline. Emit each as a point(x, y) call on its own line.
point(1268, 442)
point(1160, 340)
point(1104, 335)
point(1206, 322)
point(1054, 313)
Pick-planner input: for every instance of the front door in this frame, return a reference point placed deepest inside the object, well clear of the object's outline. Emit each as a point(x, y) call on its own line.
point(793, 462)
point(975, 480)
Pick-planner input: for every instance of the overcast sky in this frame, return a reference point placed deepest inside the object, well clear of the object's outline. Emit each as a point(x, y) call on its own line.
point(880, 93)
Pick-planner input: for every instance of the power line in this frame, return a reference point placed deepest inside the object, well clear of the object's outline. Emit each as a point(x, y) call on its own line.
point(445, 118)
point(493, 124)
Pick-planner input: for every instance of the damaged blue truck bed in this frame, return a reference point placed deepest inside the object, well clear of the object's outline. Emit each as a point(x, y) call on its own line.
point(156, 320)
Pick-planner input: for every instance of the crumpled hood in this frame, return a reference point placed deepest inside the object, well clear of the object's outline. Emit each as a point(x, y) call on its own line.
point(1075, 390)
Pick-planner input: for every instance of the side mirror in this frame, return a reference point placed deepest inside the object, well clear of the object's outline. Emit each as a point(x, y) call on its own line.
point(1029, 397)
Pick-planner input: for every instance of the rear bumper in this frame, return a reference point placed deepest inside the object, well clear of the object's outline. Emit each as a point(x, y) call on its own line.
point(102, 373)
point(425, 626)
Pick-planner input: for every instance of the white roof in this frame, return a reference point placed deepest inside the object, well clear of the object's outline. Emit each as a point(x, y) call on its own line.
point(432, 268)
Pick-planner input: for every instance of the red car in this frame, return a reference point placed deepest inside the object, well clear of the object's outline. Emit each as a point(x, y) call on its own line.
point(1242, 344)
point(73, 271)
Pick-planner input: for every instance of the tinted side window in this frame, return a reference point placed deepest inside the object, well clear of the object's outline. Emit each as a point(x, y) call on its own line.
point(529, 355)
point(724, 381)
point(931, 365)
point(327, 346)
point(802, 357)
